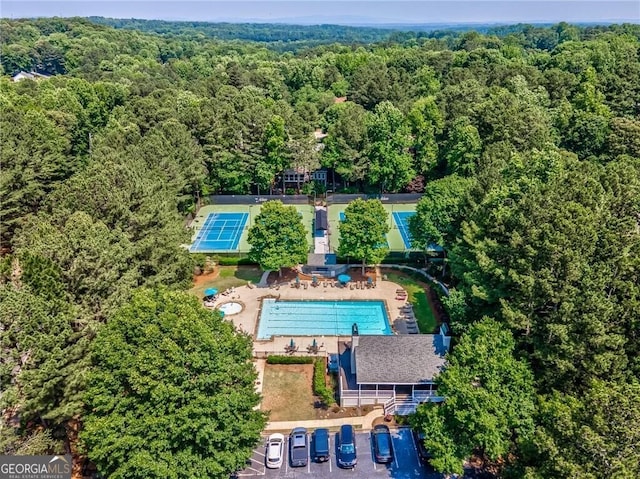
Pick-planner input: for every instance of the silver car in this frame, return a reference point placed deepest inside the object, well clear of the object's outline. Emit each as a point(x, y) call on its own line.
point(275, 451)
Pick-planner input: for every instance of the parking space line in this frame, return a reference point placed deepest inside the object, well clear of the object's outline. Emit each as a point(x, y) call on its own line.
point(373, 456)
point(256, 473)
point(284, 456)
point(309, 453)
point(329, 452)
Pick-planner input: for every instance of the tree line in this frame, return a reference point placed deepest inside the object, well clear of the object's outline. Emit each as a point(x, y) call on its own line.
point(525, 144)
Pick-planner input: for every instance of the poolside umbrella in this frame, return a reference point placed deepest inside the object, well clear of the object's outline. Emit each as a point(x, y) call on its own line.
point(344, 278)
point(314, 279)
point(210, 292)
point(292, 343)
point(297, 280)
point(314, 344)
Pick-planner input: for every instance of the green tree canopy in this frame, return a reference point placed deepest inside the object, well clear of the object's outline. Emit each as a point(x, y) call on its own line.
point(363, 231)
point(426, 122)
point(43, 357)
point(171, 392)
point(463, 148)
point(346, 138)
point(595, 435)
point(439, 212)
point(388, 138)
point(278, 238)
point(489, 403)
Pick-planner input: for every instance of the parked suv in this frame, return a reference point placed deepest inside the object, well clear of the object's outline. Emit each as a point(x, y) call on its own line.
point(382, 444)
point(298, 447)
point(320, 445)
point(347, 447)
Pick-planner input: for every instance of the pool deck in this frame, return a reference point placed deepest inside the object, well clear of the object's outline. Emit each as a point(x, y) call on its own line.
point(250, 298)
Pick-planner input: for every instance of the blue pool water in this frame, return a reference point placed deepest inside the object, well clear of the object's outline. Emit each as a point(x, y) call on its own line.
point(322, 318)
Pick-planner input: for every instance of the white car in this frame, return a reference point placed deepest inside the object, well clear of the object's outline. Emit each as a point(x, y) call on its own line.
point(275, 451)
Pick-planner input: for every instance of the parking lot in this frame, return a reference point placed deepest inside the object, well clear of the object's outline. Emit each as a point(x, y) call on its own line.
point(405, 465)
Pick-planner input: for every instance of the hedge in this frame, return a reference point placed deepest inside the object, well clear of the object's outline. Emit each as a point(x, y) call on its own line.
point(319, 384)
point(289, 359)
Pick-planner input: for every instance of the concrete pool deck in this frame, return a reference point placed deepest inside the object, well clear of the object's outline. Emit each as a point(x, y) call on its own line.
point(251, 299)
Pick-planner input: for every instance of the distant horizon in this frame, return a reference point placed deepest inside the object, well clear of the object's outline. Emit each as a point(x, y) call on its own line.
point(370, 13)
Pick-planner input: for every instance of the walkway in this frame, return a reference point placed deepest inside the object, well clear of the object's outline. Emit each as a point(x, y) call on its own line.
point(263, 283)
point(444, 289)
point(364, 422)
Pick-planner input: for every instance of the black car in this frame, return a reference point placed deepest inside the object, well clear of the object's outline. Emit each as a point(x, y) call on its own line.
point(423, 453)
point(346, 446)
point(382, 444)
point(298, 447)
point(320, 445)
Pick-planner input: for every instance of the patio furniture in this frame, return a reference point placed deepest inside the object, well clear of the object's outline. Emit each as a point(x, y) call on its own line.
point(291, 347)
point(305, 285)
point(313, 347)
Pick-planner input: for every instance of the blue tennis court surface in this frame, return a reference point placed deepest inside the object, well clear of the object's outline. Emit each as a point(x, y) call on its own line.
point(322, 318)
point(402, 222)
point(220, 232)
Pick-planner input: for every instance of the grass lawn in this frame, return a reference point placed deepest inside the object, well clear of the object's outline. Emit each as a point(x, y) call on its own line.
point(227, 277)
point(418, 298)
point(287, 392)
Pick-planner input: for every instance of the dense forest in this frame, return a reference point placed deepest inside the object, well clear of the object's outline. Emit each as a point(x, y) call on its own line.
point(525, 142)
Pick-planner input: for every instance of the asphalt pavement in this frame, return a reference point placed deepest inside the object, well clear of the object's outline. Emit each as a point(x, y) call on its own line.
point(405, 465)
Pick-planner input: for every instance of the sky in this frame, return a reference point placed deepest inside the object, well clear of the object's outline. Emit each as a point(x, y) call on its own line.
point(344, 12)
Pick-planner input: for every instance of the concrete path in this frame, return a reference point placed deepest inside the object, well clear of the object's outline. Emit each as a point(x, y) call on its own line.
point(444, 289)
point(364, 422)
point(263, 280)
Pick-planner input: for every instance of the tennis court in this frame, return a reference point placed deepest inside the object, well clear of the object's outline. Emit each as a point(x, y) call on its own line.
point(402, 222)
point(220, 232)
point(224, 228)
point(385, 244)
point(398, 237)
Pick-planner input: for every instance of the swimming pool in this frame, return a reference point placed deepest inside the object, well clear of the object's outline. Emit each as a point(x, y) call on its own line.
point(322, 318)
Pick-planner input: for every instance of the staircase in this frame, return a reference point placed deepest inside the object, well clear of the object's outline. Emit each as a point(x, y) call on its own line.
point(402, 405)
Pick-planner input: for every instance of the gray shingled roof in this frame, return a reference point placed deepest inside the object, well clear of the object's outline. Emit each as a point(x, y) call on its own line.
point(399, 359)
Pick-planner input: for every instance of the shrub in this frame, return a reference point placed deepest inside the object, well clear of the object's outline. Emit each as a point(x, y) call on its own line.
point(275, 359)
point(319, 384)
